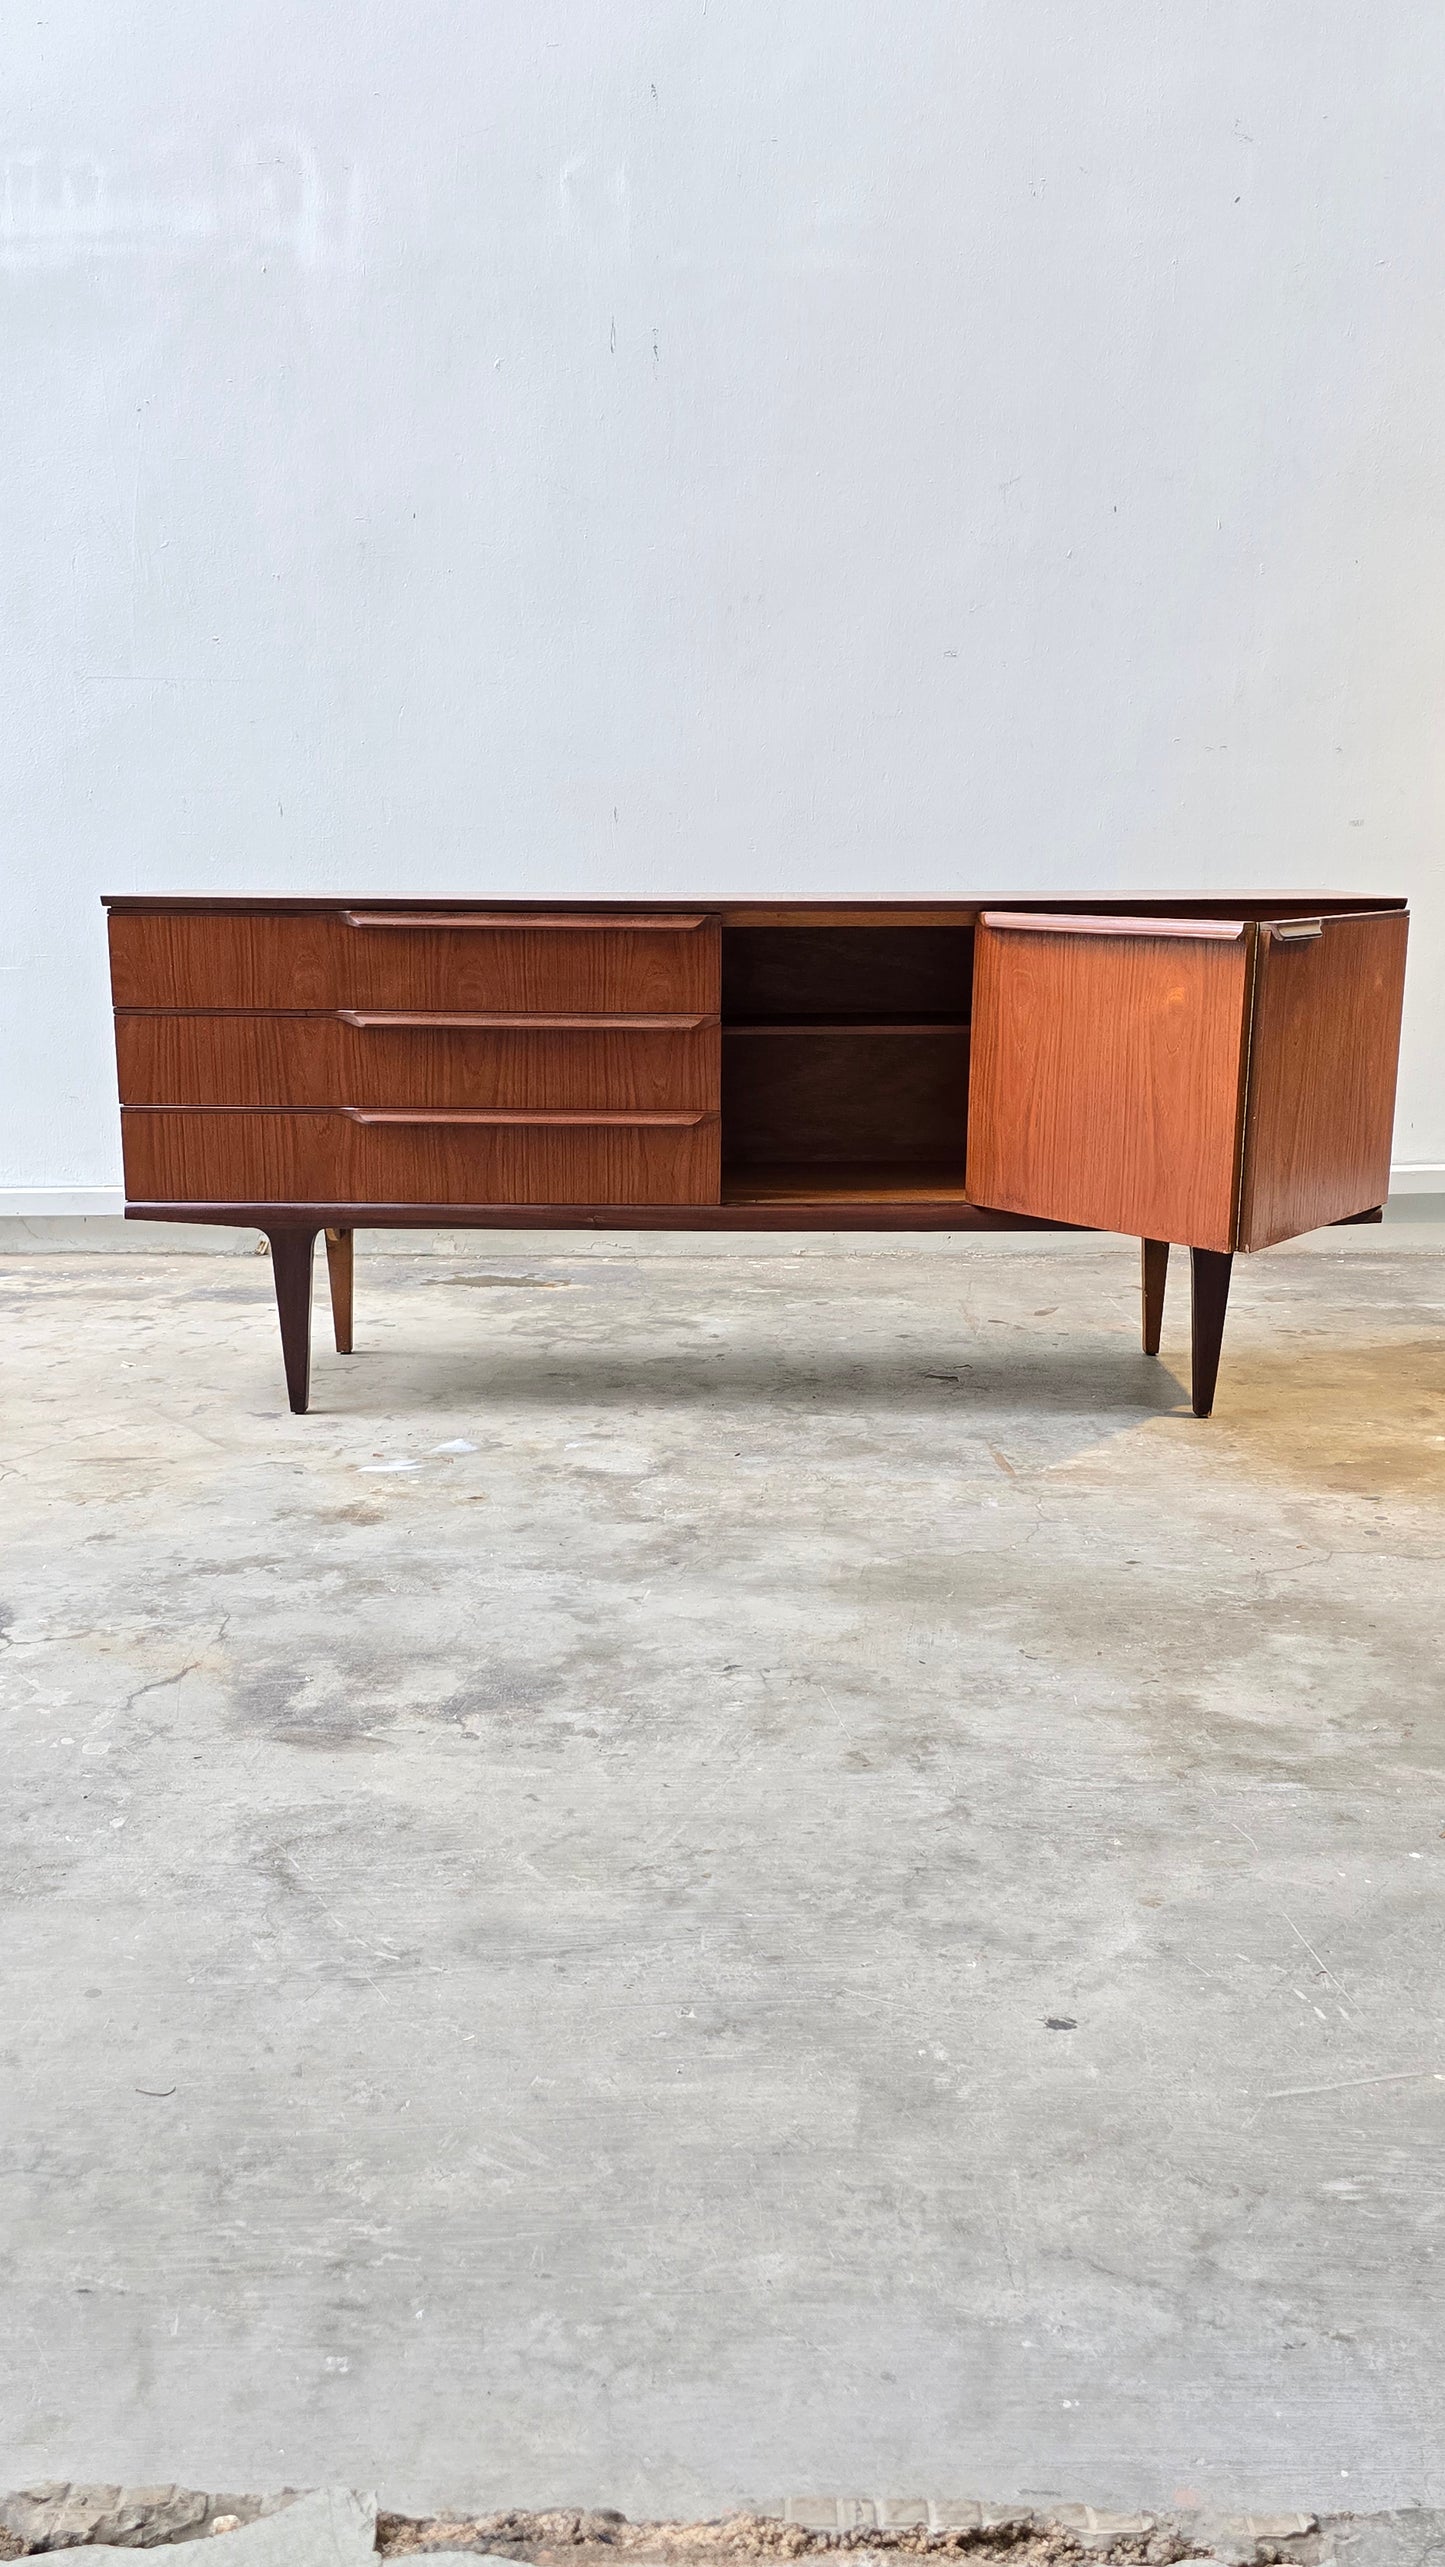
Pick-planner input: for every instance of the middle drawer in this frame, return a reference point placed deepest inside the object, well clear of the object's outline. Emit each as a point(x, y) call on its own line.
point(378, 1058)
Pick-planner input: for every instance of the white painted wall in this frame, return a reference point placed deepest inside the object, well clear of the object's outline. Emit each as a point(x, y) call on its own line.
point(712, 446)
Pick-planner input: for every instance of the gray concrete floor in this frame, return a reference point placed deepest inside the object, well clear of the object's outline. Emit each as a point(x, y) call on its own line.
point(844, 1899)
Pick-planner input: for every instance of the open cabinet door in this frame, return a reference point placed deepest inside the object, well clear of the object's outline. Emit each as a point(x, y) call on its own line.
point(1107, 1067)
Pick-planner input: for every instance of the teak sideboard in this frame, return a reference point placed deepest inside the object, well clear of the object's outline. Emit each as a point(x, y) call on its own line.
point(1217, 1074)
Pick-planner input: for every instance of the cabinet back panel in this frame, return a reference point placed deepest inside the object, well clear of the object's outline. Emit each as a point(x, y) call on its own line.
point(782, 972)
point(895, 1095)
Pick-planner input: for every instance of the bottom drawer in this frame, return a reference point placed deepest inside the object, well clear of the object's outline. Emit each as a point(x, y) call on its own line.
point(179, 1155)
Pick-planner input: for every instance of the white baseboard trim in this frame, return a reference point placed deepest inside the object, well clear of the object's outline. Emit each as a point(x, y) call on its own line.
point(60, 1202)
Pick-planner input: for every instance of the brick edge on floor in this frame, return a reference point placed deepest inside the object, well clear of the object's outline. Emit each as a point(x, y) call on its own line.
point(70, 2515)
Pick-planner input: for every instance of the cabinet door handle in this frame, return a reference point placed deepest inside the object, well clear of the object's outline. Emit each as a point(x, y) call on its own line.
point(377, 1019)
point(417, 921)
point(1030, 923)
point(1295, 931)
point(418, 1114)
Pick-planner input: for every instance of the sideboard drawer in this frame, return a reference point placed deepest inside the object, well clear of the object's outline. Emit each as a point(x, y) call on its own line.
point(380, 1156)
point(483, 959)
point(368, 1058)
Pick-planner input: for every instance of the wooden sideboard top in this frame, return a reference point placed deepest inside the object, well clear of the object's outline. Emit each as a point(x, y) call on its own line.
point(1249, 905)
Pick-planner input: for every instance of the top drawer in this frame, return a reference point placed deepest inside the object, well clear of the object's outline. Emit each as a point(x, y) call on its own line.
point(478, 959)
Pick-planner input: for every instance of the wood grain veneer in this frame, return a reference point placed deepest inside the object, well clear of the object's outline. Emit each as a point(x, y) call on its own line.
point(1323, 1060)
point(1106, 1079)
point(318, 1158)
point(314, 959)
point(240, 1059)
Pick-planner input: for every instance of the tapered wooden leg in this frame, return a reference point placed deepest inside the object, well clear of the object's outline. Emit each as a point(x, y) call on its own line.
point(1209, 1283)
point(338, 1271)
point(1153, 1270)
point(293, 1252)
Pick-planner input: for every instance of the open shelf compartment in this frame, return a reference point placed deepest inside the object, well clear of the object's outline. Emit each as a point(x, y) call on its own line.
point(845, 1063)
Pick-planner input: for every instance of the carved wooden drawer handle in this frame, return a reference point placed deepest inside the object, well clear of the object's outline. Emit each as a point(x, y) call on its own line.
point(621, 1121)
point(1024, 922)
point(377, 1019)
point(570, 922)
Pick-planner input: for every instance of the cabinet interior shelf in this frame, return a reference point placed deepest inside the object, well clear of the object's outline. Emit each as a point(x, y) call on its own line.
point(840, 1024)
point(843, 1180)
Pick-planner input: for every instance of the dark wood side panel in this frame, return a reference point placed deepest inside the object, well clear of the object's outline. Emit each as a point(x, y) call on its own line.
point(1323, 1060)
point(1106, 1079)
point(298, 959)
point(300, 1159)
point(320, 1060)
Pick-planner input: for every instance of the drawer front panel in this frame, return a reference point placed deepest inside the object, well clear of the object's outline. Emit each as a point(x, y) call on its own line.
point(238, 958)
point(322, 1060)
point(198, 1157)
